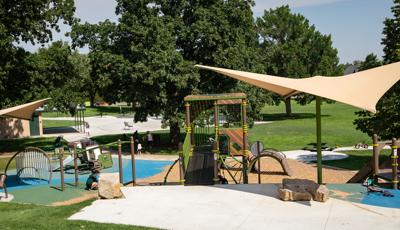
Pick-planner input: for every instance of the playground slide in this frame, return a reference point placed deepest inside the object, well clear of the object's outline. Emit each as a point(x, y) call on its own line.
point(66, 161)
point(367, 170)
point(361, 175)
point(235, 140)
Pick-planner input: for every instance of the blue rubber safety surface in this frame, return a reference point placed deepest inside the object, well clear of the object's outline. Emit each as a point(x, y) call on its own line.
point(359, 194)
point(377, 199)
point(144, 168)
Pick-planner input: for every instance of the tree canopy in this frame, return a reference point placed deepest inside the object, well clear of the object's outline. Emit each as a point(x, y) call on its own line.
point(25, 21)
point(386, 122)
point(59, 73)
point(371, 61)
point(291, 47)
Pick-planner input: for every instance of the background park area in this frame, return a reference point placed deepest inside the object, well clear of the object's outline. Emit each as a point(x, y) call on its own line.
point(129, 66)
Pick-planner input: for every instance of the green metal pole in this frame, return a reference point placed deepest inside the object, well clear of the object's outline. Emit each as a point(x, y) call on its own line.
point(319, 152)
point(245, 137)
point(216, 143)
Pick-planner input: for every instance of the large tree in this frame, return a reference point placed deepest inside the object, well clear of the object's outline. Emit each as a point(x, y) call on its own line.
point(99, 39)
point(386, 122)
point(139, 63)
point(371, 61)
point(25, 21)
point(57, 72)
point(291, 47)
point(219, 33)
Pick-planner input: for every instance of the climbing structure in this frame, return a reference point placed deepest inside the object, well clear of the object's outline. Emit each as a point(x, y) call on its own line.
point(31, 163)
point(386, 172)
point(216, 126)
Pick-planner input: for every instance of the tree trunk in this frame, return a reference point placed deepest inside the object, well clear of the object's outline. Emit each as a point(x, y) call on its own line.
point(288, 106)
point(91, 98)
point(174, 134)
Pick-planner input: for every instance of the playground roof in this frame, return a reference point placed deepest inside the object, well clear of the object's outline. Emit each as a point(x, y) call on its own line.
point(24, 111)
point(362, 89)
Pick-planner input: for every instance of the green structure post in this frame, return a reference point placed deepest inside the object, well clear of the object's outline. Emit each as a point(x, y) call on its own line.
point(245, 132)
point(216, 143)
point(319, 152)
point(375, 151)
point(180, 161)
point(188, 122)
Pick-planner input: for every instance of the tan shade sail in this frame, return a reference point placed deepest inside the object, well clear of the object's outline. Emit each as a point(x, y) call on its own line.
point(362, 89)
point(24, 111)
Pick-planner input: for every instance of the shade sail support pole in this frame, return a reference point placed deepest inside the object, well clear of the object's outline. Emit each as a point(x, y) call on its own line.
point(319, 152)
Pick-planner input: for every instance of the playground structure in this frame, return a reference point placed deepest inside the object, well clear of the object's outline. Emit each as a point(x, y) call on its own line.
point(382, 173)
point(34, 163)
point(216, 141)
point(31, 163)
point(376, 81)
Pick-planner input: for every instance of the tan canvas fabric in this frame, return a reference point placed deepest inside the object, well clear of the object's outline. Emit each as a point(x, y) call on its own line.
point(362, 89)
point(24, 111)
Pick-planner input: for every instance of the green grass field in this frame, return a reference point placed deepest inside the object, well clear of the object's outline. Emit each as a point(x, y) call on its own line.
point(357, 159)
point(296, 132)
point(28, 216)
point(57, 123)
point(162, 136)
point(3, 164)
point(13, 145)
point(96, 111)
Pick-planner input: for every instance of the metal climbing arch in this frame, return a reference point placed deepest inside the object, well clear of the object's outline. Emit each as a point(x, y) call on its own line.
point(32, 163)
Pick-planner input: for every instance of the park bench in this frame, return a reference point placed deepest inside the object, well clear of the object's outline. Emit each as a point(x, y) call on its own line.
point(127, 125)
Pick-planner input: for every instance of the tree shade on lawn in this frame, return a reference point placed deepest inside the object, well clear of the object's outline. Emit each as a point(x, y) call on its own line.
point(352, 90)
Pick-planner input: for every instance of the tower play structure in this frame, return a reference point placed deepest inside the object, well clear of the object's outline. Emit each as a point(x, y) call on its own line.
point(216, 128)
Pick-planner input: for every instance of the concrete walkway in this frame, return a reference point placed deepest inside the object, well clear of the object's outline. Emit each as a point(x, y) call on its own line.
point(108, 125)
point(233, 207)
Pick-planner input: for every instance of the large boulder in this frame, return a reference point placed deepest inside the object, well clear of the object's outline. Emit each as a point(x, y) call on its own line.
point(289, 195)
point(109, 186)
point(302, 190)
point(321, 194)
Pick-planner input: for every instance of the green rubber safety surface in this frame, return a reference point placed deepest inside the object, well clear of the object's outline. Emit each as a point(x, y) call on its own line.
point(46, 195)
point(349, 192)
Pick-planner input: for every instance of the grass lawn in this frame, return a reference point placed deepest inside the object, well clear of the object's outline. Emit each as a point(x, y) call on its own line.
point(27, 216)
point(3, 164)
point(14, 145)
point(357, 159)
point(161, 136)
point(96, 111)
point(57, 123)
point(296, 132)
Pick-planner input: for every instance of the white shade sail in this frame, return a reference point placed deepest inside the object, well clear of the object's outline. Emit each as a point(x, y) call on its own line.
point(362, 89)
point(24, 111)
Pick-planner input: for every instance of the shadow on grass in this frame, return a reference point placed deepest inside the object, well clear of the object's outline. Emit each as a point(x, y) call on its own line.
point(355, 161)
point(60, 130)
point(282, 116)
